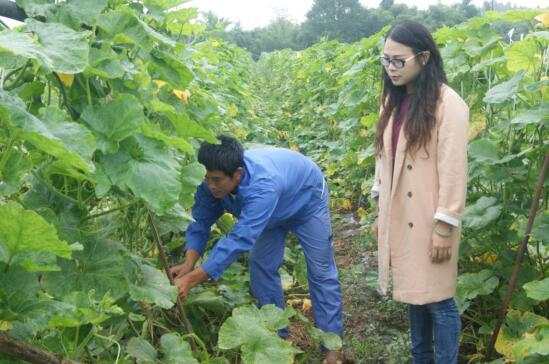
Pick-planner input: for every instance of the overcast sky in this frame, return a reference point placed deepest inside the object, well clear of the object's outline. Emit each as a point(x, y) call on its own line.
point(256, 13)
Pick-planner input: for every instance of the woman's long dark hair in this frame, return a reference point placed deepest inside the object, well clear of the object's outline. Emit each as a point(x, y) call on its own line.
point(421, 116)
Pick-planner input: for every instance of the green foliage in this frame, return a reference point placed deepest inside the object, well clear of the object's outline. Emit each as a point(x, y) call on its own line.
point(323, 102)
point(29, 241)
point(102, 107)
point(174, 349)
point(538, 290)
point(472, 285)
point(523, 334)
point(253, 330)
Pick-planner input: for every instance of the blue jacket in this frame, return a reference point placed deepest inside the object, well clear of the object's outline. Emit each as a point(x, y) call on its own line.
point(279, 187)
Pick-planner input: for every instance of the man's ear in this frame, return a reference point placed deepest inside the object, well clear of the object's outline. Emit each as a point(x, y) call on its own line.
point(238, 174)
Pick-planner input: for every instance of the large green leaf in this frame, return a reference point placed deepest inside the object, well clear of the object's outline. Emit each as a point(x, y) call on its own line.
point(141, 350)
point(55, 46)
point(145, 167)
point(76, 12)
point(155, 132)
point(176, 350)
point(329, 340)
point(187, 128)
point(99, 267)
point(539, 115)
point(523, 334)
point(153, 286)
point(24, 234)
point(538, 290)
point(254, 331)
point(81, 308)
point(35, 8)
point(483, 212)
point(540, 231)
point(475, 47)
point(17, 165)
point(505, 90)
point(105, 63)
point(125, 28)
point(487, 63)
point(114, 121)
point(273, 318)
point(471, 285)
point(534, 342)
point(168, 68)
point(209, 300)
point(484, 151)
point(76, 137)
point(18, 292)
point(184, 126)
point(162, 4)
point(42, 134)
point(523, 56)
point(192, 175)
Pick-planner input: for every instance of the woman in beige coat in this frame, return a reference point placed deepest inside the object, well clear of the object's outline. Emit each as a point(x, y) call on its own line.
point(420, 184)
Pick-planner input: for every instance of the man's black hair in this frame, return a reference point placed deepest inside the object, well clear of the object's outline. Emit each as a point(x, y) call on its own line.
point(226, 157)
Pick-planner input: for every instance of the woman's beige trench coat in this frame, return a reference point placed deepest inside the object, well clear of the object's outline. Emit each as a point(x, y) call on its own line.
point(429, 186)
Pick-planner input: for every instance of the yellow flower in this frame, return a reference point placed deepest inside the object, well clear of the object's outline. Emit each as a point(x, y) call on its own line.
point(182, 95)
point(543, 19)
point(66, 79)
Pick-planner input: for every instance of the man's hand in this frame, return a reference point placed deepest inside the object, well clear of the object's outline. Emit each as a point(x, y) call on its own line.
point(191, 256)
point(186, 282)
point(180, 270)
point(333, 357)
point(441, 250)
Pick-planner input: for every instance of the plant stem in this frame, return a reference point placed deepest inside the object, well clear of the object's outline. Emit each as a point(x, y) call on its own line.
point(520, 256)
point(16, 82)
point(164, 262)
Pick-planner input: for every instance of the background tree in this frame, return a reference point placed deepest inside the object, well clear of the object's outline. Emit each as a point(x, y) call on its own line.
point(345, 20)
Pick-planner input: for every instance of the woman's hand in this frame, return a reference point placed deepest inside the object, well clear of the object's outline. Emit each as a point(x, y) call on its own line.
point(441, 249)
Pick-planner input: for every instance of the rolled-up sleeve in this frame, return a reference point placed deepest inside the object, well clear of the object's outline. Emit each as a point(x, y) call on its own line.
point(206, 210)
point(452, 161)
point(257, 210)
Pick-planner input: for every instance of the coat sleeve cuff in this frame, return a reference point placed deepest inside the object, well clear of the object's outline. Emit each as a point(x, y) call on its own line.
point(211, 269)
point(196, 246)
point(374, 193)
point(448, 217)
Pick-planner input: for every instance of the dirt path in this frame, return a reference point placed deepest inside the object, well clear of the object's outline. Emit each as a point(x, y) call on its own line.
point(376, 328)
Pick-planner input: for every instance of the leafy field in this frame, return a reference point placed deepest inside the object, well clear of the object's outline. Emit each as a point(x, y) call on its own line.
point(102, 107)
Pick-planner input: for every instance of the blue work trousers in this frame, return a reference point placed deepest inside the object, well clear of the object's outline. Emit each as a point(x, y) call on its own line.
point(314, 234)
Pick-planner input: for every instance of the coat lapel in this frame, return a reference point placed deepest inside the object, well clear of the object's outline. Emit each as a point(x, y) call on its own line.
point(399, 159)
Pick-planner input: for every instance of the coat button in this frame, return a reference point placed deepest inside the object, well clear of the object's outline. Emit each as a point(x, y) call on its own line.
point(411, 225)
point(409, 166)
point(409, 194)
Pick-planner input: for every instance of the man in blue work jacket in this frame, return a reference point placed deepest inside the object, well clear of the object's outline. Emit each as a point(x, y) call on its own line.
point(271, 191)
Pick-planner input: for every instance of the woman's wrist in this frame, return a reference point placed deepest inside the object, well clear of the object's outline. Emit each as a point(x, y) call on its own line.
point(443, 229)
